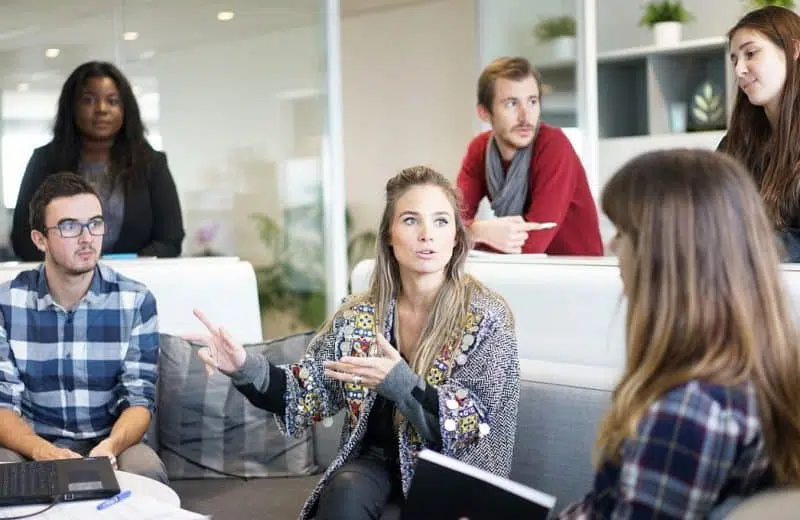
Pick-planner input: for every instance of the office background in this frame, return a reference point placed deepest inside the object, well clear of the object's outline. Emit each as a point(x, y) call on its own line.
point(238, 94)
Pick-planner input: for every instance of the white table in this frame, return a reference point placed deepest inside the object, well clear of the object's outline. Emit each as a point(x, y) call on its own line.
point(87, 509)
point(147, 487)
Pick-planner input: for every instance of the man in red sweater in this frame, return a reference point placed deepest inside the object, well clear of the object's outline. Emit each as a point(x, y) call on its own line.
point(528, 170)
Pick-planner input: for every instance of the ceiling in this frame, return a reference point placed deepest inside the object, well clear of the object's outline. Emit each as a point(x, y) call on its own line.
point(92, 29)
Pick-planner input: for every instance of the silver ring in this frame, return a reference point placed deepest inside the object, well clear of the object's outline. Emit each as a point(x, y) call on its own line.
point(356, 379)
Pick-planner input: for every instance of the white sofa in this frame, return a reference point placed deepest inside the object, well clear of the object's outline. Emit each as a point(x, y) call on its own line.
point(567, 310)
point(224, 288)
point(570, 327)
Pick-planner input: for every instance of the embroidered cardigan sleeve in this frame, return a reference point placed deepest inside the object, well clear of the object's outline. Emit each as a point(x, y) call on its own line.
point(298, 394)
point(478, 402)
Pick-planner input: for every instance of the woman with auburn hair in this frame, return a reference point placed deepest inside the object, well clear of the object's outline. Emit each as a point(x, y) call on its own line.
point(764, 130)
point(425, 358)
point(708, 405)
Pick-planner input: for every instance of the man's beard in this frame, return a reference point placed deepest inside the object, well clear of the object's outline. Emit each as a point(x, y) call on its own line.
point(77, 272)
point(72, 271)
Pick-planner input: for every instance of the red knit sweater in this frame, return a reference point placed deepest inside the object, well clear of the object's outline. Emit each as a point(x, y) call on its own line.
point(559, 192)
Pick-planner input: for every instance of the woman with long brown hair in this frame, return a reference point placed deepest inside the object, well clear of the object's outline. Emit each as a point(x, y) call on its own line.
point(425, 358)
point(708, 405)
point(764, 130)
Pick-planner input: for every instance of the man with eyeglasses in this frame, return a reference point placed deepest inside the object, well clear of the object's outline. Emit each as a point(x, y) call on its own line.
point(78, 343)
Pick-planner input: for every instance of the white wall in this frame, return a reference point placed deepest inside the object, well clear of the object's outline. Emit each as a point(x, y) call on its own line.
point(221, 127)
point(506, 27)
point(618, 21)
point(409, 96)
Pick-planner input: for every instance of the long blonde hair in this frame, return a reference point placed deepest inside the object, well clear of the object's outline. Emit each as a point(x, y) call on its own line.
point(705, 296)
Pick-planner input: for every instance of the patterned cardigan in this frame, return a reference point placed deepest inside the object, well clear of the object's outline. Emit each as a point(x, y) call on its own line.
point(477, 381)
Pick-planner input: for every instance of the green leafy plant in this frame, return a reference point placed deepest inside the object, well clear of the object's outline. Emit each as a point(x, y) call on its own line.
point(757, 4)
point(707, 107)
point(665, 11)
point(551, 28)
point(293, 281)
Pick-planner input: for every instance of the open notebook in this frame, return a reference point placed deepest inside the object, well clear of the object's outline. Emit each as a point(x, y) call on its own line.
point(447, 489)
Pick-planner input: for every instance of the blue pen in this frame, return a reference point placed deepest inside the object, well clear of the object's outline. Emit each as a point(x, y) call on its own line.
point(113, 500)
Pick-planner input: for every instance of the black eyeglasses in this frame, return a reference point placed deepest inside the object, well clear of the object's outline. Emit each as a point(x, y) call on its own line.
point(73, 228)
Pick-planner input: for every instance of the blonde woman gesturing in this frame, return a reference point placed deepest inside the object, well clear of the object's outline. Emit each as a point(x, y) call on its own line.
point(426, 358)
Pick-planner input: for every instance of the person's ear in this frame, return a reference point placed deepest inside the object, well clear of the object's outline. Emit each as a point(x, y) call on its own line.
point(796, 49)
point(484, 114)
point(39, 240)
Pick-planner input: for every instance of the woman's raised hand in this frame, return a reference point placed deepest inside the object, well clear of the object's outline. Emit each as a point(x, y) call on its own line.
point(220, 350)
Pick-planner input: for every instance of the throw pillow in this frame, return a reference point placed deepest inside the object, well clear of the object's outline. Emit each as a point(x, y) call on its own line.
point(208, 429)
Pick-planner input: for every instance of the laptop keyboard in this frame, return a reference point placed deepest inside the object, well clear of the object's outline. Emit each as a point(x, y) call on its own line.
point(29, 479)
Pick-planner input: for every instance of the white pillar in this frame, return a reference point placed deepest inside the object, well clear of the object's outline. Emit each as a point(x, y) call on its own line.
point(587, 90)
point(335, 232)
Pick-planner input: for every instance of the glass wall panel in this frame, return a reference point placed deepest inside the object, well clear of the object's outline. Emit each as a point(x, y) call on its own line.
point(546, 34)
point(558, 38)
point(235, 97)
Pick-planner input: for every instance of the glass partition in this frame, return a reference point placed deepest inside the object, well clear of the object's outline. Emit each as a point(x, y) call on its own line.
point(237, 98)
point(553, 36)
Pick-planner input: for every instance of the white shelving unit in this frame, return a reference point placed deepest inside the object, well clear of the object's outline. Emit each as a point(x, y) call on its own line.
point(559, 102)
point(636, 85)
point(635, 89)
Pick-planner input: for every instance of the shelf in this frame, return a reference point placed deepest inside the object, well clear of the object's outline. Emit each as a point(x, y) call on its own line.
point(639, 86)
point(559, 102)
point(675, 140)
point(558, 66)
point(684, 47)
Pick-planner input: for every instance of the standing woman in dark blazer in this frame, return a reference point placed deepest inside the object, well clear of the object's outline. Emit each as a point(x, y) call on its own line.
point(99, 134)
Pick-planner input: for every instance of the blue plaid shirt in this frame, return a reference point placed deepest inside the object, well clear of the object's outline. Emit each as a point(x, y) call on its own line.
point(71, 373)
point(698, 445)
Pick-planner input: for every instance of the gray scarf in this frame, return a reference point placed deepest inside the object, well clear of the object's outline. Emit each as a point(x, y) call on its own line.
point(508, 191)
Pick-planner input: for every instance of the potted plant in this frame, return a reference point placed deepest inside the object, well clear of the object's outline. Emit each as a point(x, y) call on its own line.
point(666, 19)
point(559, 32)
point(757, 4)
point(291, 287)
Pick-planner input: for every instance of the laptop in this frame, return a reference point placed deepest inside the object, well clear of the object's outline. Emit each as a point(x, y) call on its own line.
point(447, 489)
point(57, 481)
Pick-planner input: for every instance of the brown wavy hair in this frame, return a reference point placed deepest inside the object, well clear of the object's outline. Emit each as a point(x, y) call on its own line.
point(705, 296)
point(771, 154)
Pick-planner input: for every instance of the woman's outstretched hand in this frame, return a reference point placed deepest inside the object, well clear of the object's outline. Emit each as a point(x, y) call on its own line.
point(220, 352)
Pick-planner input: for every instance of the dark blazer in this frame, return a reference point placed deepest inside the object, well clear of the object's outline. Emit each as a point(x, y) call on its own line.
point(151, 226)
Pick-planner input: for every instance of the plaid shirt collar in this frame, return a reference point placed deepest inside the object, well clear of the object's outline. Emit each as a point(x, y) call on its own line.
point(98, 288)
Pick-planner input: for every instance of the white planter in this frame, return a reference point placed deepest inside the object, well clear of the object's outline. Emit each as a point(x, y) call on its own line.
point(562, 48)
point(667, 33)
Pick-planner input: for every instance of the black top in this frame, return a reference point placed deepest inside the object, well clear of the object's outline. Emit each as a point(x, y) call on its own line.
point(380, 432)
point(152, 224)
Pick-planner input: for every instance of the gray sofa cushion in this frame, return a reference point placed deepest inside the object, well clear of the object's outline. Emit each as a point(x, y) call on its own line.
point(208, 429)
point(560, 410)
